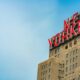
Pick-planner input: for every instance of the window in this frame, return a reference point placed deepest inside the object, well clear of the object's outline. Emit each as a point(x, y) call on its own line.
point(66, 69)
point(70, 60)
point(73, 59)
point(43, 66)
point(61, 71)
point(73, 79)
point(49, 76)
point(76, 57)
point(58, 49)
point(75, 65)
point(46, 72)
point(70, 67)
point(44, 78)
point(61, 65)
point(66, 47)
point(76, 50)
point(73, 52)
point(49, 69)
point(79, 77)
point(70, 44)
point(66, 62)
point(49, 63)
point(75, 41)
point(55, 51)
point(66, 55)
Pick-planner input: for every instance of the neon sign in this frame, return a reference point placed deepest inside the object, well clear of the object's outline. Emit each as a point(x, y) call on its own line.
point(71, 28)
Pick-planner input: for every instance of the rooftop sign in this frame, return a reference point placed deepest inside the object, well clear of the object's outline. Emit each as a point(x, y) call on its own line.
point(71, 28)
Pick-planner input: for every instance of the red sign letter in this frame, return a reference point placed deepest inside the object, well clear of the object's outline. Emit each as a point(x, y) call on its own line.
point(79, 27)
point(50, 43)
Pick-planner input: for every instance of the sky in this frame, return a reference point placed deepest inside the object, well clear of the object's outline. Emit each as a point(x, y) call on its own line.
point(25, 27)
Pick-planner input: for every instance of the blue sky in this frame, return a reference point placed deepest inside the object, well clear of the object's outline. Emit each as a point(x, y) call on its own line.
point(25, 26)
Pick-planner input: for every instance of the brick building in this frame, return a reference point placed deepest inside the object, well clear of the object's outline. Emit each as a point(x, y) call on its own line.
point(64, 59)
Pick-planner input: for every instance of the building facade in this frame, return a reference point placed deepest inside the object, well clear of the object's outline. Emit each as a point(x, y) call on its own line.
point(64, 59)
